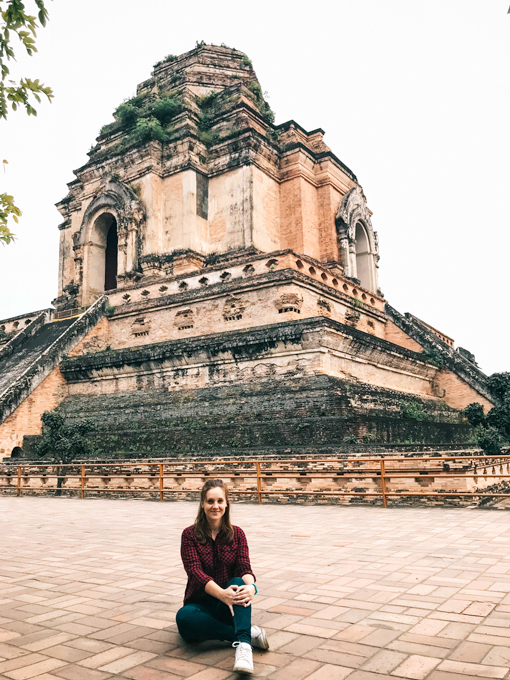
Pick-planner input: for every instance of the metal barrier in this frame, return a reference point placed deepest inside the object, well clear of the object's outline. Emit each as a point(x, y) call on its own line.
point(262, 470)
point(69, 313)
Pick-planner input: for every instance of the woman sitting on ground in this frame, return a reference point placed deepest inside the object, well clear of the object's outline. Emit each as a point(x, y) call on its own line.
point(221, 584)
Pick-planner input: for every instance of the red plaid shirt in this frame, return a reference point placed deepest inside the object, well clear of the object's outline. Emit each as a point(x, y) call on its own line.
point(212, 562)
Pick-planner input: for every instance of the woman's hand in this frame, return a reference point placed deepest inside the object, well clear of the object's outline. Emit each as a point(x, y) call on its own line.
point(244, 595)
point(228, 597)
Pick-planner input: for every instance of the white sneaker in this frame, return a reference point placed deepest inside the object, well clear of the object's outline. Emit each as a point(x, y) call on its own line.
point(259, 638)
point(244, 658)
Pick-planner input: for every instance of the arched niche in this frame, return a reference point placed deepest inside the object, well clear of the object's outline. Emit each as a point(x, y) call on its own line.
point(358, 243)
point(111, 256)
point(106, 247)
point(17, 452)
point(364, 258)
point(102, 255)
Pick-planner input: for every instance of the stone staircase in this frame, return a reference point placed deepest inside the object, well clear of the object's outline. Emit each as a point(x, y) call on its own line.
point(31, 355)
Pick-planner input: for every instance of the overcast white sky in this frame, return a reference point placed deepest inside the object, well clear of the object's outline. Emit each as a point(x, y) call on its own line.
point(413, 95)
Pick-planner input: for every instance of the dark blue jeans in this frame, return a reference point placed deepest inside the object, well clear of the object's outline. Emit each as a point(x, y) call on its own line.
point(211, 619)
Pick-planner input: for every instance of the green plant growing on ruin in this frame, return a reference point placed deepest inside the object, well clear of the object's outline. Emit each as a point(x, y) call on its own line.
point(247, 61)
point(63, 441)
point(109, 311)
point(433, 356)
point(492, 429)
point(165, 109)
point(207, 100)
point(146, 118)
point(273, 135)
point(260, 99)
point(167, 60)
point(412, 411)
point(15, 22)
point(128, 113)
point(148, 129)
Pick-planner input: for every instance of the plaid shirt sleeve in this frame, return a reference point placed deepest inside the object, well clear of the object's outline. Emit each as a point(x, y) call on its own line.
point(191, 561)
point(242, 566)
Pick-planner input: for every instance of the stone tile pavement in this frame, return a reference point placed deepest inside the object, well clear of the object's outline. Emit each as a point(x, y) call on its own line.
point(89, 591)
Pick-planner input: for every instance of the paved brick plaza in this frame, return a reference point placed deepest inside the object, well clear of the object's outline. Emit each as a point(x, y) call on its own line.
point(89, 590)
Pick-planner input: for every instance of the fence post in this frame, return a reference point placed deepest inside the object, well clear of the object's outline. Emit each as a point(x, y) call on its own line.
point(259, 484)
point(18, 488)
point(161, 482)
point(82, 482)
point(383, 484)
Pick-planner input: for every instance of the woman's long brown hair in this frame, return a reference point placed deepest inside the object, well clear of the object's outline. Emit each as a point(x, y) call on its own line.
point(202, 528)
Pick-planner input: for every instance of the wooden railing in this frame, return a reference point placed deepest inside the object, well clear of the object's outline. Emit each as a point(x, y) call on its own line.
point(251, 477)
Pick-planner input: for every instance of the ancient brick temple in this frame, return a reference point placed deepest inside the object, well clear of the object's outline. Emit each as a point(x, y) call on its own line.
point(218, 291)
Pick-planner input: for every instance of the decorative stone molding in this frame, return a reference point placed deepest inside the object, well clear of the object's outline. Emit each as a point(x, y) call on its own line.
point(233, 308)
point(323, 307)
point(353, 214)
point(140, 327)
point(184, 319)
point(289, 302)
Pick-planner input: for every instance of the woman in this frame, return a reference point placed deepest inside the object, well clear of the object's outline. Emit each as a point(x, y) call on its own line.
point(221, 584)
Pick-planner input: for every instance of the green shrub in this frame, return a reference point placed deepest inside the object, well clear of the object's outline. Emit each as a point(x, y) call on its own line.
point(273, 135)
point(433, 356)
point(247, 61)
point(264, 107)
point(207, 100)
point(475, 414)
point(412, 411)
point(209, 138)
point(499, 385)
point(165, 109)
point(129, 112)
point(168, 59)
point(256, 89)
point(108, 128)
point(147, 129)
point(493, 428)
point(490, 440)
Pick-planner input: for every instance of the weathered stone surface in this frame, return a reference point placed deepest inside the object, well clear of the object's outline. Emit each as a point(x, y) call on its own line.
point(315, 415)
point(39, 354)
point(236, 255)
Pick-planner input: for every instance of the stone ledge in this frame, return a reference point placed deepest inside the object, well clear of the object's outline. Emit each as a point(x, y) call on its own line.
point(241, 344)
point(419, 332)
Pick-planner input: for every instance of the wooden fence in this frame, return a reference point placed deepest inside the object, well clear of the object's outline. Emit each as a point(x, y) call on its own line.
point(386, 477)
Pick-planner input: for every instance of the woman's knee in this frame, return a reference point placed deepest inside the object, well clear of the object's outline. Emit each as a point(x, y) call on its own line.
point(236, 581)
point(184, 620)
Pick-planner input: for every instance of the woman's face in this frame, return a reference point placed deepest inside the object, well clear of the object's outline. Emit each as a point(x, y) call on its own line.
point(215, 504)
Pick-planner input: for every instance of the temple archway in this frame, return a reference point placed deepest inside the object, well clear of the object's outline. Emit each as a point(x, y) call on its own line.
point(358, 245)
point(101, 254)
point(106, 248)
